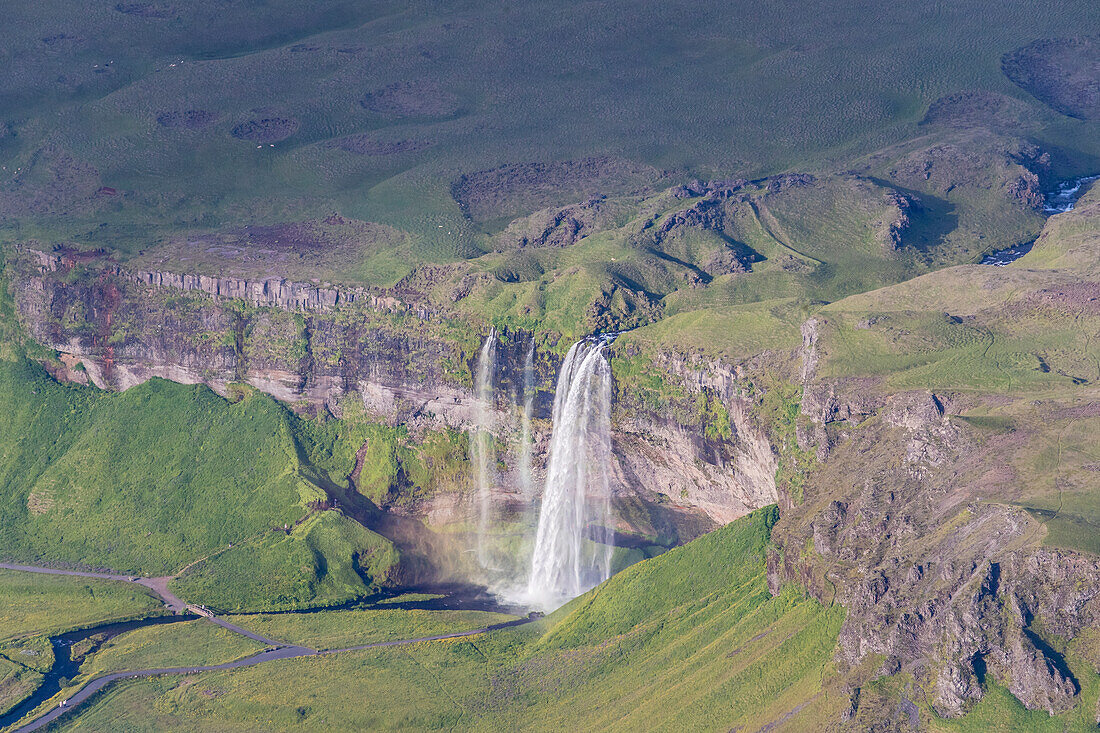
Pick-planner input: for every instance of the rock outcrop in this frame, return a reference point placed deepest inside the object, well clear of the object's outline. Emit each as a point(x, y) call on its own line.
point(936, 581)
point(273, 292)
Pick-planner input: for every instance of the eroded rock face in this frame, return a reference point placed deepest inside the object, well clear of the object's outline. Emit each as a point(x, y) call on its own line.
point(273, 292)
point(558, 227)
point(942, 585)
point(316, 349)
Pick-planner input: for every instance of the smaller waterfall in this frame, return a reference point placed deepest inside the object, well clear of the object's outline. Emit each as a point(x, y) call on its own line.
point(481, 440)
point(528, 401)
point(566, 562)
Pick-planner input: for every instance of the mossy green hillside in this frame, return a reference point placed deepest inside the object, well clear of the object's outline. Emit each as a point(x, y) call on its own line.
point(328, 559)
point(175, 470)
point(688, 638)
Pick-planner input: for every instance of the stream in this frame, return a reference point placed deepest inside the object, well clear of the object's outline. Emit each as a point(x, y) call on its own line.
point(1058, 201)
point(65, 667)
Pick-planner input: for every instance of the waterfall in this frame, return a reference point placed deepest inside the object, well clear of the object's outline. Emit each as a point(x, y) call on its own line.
point(528, 400)
point(481, 440)
point(566, 562)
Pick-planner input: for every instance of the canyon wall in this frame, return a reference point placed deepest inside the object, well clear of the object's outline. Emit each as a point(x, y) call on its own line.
point(313, 347)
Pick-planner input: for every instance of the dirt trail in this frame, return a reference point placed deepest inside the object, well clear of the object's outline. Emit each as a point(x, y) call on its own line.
point(159, 585)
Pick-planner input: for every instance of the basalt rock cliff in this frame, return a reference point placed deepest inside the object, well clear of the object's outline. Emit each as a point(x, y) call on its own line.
point(314, 347)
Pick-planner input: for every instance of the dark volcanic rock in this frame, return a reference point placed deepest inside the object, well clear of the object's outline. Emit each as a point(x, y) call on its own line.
point(975, 109)
point(266, 129)
point(421, 98)
point(158, 11)
point(521, 188)
point(1062, 72)
point(369, 145)
point(557, 227)
point(946, 588)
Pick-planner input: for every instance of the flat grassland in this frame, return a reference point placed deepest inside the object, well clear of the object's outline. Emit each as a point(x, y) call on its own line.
point(158, 118)
point(41, 605)
point(184, 644)
point(353, 627)
point(34, 607)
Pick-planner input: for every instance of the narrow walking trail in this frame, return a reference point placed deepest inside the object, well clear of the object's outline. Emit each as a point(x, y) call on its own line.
point(276, 651)
point(158, 585)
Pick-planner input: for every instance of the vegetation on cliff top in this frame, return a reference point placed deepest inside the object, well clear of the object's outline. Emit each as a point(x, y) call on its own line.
point(159, 116)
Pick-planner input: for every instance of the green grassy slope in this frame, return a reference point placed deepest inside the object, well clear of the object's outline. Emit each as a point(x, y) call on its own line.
point(176, 471)
point(162, 475)
point(689, 639)
point(327, 559)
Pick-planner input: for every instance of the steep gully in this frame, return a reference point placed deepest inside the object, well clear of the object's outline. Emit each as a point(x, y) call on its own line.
point(66, 668)
point(1059, 201)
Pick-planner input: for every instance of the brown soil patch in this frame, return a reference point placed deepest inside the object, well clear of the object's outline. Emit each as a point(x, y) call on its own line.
point(367, 145)
point(188, 119)
point(158, 11)
point(411, 99)
point(40, 502)
point(298, 250)
point(521, 188)
point(1064, 73)
point(267, 129)
point(53, 182)
point(970, 109)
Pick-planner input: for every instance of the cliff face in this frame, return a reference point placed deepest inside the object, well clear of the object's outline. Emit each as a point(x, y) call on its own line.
point(885, 492)
point(942, 577)
point(313, 347)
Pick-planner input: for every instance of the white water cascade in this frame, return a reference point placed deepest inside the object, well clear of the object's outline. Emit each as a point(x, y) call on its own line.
point(481, 440)
point(566, 562)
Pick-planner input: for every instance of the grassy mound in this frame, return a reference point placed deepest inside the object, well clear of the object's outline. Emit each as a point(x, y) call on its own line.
point(327, 559)
point(163, 475)
point(144, 481)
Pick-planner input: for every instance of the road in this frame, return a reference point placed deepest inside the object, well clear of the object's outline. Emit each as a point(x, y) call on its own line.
point(278, 652)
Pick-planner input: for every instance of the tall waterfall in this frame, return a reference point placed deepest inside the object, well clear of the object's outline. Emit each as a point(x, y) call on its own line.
point(481, 440)
point(528, 400)
point(565, 562)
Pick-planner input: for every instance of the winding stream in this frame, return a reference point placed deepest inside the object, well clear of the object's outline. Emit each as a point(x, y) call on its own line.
point(65, 667)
